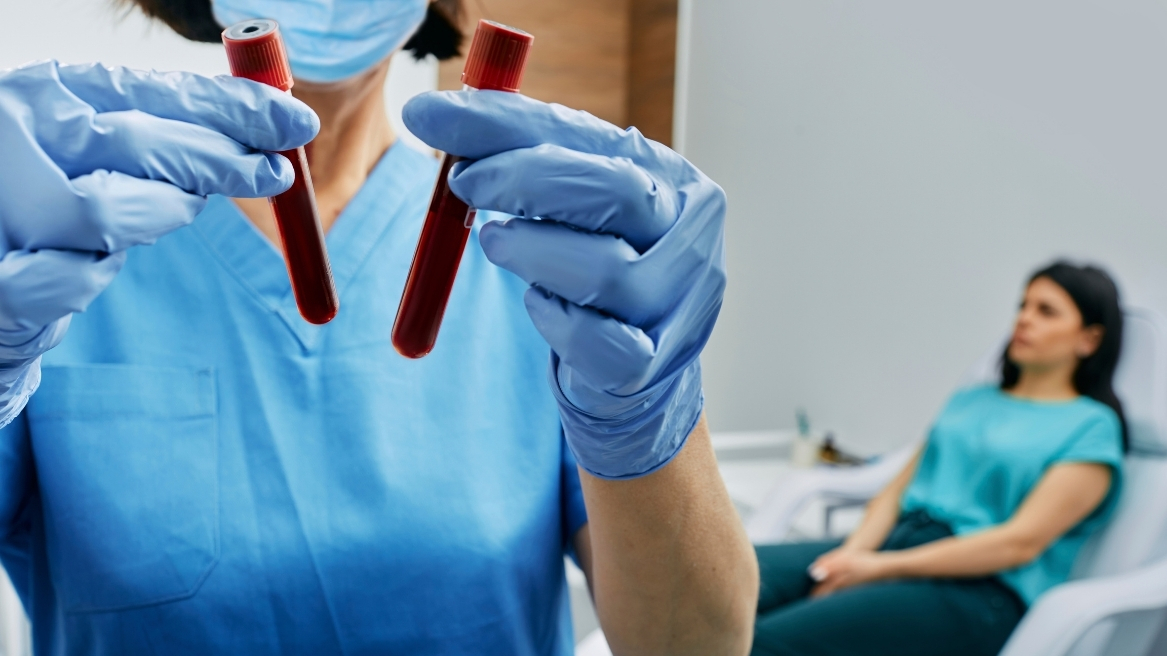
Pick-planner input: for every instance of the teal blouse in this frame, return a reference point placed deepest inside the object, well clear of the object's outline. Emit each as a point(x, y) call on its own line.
point(988, 450)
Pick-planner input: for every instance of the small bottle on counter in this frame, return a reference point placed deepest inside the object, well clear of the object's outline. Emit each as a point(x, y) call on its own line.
point(804, 451)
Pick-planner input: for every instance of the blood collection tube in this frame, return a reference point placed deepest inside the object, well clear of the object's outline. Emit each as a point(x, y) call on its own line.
point(497, 58)
point(255, 51)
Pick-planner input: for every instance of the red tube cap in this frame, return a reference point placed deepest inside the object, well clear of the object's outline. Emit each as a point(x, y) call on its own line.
point(255, 50)
point(498, 57)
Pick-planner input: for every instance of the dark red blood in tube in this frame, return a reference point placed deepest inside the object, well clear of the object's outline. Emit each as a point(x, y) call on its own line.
point(435, 265)
point(255, 51)
point(498, 55)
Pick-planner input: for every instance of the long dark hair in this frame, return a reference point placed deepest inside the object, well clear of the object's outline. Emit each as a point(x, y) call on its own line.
point(1096, 296)
point(440, 35)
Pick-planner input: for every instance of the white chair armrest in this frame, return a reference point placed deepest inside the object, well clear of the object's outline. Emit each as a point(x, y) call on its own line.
point(14, 629)
point(594, 644)
point(772, 519)
point(1062, 616)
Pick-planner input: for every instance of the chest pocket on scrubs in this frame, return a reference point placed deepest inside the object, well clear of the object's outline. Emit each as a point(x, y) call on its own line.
point(127, 466)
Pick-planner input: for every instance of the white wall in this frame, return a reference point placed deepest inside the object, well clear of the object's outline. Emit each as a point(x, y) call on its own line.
point(74, 31)
point(894, 171)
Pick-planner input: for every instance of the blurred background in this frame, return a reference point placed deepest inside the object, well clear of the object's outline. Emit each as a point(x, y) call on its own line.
point(894, 169)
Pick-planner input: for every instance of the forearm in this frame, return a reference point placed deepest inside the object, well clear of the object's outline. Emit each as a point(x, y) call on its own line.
point(1065, 495)
point(883, 512)
point(672, 570)
point(981, 554)
point(878, 521)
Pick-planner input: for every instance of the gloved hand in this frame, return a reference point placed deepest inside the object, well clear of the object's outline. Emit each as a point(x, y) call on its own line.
point(625, 260)
point(94, 160)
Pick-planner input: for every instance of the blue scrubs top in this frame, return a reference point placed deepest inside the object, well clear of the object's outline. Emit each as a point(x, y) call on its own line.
point(986, 453)
point(203, 472)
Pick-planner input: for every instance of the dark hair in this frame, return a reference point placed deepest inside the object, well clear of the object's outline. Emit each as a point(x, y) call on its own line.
point(440, 34)
point(1096, 296)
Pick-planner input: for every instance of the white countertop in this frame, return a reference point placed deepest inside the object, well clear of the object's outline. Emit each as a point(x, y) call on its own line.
point(750, 463)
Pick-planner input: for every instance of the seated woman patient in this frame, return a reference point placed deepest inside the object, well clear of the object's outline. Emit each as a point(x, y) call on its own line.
point(989, 514)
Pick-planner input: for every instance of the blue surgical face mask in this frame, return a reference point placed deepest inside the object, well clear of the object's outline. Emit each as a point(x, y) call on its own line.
point(331, 40)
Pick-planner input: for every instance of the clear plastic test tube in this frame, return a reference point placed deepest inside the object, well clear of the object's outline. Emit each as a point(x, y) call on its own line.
point(255, 51)
point(497, 58)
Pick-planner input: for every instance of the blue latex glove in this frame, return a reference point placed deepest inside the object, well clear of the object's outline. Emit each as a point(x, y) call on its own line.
point(94, 160)
point(626, 262)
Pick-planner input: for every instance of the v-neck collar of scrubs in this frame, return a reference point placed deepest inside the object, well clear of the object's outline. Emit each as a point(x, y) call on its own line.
point(260, 268)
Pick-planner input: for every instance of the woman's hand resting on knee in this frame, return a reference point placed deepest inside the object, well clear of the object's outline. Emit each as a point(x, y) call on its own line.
point(858, 561)
point(845, 567)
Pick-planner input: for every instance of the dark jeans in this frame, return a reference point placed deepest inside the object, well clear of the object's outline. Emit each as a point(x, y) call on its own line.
point(925, 617)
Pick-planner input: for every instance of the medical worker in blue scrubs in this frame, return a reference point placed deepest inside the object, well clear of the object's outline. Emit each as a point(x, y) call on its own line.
point(188, 467)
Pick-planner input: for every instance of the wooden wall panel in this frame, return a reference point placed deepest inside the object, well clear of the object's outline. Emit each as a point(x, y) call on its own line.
point(652, 56)
point(613, 58)
point(580, 54)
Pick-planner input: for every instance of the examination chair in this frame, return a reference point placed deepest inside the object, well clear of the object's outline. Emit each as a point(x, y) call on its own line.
point(1116, 601)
